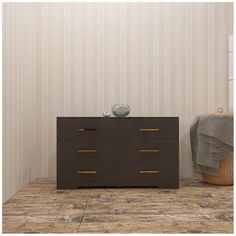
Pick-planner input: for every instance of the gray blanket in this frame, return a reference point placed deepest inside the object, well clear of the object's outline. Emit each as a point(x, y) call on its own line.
point(211, 140)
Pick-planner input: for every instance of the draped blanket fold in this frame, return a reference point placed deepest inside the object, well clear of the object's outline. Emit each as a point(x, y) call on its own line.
point(211, 141)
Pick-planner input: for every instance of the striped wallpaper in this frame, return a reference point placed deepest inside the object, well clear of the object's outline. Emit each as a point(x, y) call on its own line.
point(78, 59)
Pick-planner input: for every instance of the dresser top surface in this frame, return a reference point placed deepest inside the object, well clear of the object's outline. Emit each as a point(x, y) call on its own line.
point(114, 117)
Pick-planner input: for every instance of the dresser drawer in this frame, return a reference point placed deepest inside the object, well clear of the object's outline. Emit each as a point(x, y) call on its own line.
point(89, 128)
point(86, 171)
point(147, 171)
point(86, 150)
point(146, 150)
point(148, 128)
point(132, 151)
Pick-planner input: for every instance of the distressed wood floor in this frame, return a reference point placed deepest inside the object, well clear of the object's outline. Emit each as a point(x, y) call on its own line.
point(194, 208)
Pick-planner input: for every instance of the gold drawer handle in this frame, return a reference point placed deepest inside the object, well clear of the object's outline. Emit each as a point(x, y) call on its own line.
point(82, 130)
point(149, 130)
point(148, 171)
point(149, 150)
point(86, 172)
point(86, 150)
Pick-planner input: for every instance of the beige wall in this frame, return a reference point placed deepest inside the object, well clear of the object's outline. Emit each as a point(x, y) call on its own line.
point(78, 59)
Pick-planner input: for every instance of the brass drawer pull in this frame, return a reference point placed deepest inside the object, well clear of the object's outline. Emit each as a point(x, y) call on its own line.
point(148, 171)
point(82, 130)
point(86, 172)
point(86, 150)
point(149, 150)
point(149, 130)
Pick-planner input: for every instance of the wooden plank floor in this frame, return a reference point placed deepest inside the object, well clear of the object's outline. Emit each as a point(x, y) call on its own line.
point(195, 207)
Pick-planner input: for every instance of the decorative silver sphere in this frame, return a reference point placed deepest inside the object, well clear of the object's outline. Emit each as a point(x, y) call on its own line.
point(120, 110)
point(106, 114)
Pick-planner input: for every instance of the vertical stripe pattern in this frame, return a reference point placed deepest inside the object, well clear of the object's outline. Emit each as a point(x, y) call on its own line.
point(79, 59)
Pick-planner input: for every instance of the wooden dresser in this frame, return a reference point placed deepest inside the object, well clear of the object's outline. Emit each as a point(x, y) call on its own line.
point(130, 151)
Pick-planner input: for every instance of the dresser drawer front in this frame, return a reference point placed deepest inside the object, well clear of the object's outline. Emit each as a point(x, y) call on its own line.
point(80, 128)
point(148, 128)
point(147, 171)
point(87, 150)
point(102, 152)
point(146, 150)
point(86, 171)
point(167, 184)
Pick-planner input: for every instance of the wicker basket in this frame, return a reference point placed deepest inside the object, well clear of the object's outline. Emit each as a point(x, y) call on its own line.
point(225, 175)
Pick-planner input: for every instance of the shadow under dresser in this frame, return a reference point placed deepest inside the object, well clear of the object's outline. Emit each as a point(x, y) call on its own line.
point(117, 152)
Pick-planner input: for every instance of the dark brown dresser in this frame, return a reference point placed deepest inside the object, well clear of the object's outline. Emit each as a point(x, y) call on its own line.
point(117, 152)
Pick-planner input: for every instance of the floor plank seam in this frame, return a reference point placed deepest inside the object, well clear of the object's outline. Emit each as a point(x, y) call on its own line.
point(86, 204)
